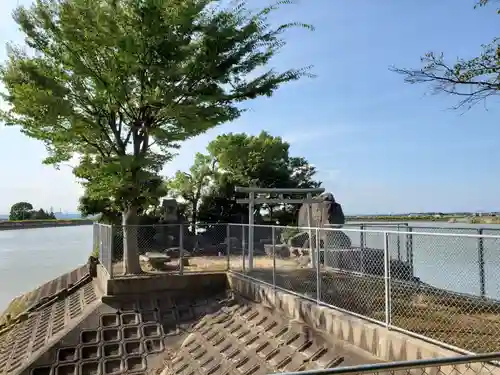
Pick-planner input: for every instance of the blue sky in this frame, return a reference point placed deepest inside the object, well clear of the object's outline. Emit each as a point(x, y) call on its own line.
point(380, 145)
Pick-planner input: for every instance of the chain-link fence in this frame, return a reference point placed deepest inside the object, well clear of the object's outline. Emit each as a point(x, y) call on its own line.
point(160, 248)
point(207, 248)
point(102, 245)
point(441, 286)
point(400, 244)
point(481, 364)
point(455, 296)
point(444, 289)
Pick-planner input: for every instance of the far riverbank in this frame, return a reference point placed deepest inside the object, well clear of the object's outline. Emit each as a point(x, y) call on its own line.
point(428, 218)
point(29, 224)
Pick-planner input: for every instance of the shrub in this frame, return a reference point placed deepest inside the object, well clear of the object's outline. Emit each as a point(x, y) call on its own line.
point(95, 252)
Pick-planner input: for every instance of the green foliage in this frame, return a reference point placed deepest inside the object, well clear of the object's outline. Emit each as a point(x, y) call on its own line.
point(42, 215)
point(20, 211)
point(110, 79)
point(472, 80)
point(108, 212)
point(191, 185)
point(24, 211)
point(95, 252)
point(219, 204)
point(239, 159)
point(119, 84)
point(261, 160)
point(248, 160)
point(110, 208)
point(482, 3)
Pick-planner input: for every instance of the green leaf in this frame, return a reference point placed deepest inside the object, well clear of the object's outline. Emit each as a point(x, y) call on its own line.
point(121, 84)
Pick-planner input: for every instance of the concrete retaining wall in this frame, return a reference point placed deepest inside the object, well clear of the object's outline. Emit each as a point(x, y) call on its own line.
point(209, 282)
point(371, 338)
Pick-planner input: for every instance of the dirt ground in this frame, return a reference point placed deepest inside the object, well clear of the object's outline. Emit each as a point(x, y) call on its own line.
point(212, 264)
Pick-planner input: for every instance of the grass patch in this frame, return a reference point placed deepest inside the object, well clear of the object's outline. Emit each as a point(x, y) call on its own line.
point(16, 307)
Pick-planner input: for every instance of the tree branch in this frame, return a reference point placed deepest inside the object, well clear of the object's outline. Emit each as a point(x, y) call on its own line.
point(473, 80)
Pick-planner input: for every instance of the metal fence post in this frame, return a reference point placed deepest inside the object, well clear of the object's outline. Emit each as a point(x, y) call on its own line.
point(251, 222)
point(318, 267)
point(362, 236)
point(243, 246)
point(181, 248)
point(310, 232)
point(480, 254)
point(409, 249)
point(99, 242)
point(109, 261)
point(228, 250)
point(387, 280)
point(273, 234)
point(398, 244)
point(95, 239)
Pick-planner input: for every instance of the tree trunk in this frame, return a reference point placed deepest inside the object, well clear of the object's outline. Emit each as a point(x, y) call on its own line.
point(130, 245)
point(194, 217)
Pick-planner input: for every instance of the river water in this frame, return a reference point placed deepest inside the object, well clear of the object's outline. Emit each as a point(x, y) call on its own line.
point(449, 262)
point(30, 257)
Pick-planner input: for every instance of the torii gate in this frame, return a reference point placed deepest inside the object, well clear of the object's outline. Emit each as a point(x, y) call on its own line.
point(252, 200)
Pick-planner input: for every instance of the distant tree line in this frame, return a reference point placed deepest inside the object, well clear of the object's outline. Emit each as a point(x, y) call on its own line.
point(25, 211)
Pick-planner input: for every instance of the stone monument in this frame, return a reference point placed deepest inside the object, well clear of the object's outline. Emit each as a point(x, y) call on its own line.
point(325, 214)
point(169, 211)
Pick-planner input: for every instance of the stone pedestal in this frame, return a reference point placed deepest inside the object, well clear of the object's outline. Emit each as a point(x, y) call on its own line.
point(282, 250)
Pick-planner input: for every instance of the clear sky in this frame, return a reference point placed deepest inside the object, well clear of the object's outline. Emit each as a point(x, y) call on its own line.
point(380, 145)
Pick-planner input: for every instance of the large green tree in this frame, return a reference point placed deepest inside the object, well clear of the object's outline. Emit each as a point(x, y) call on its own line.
point(122, 82)
point(246, 160)
point(192, 185)
point(21, 211)
point(260, 160)
point(471, 80)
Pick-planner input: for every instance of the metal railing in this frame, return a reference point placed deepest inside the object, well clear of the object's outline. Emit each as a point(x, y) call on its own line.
point(462, 365)
point(443, 288)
